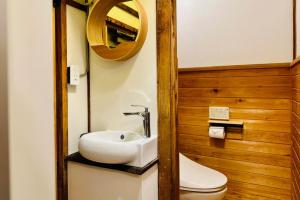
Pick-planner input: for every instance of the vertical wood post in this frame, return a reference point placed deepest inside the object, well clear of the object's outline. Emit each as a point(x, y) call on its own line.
point(167, 100)
point(61, 99)
point(295, 29)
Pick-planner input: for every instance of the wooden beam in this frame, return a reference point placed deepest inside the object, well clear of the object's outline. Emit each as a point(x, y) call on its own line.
point(167, 100)
point(128, 9)
point(61, 100)
point(235, 67)
point(4, 123)
point(88, 63)
point(125, 27)
point(77, 5)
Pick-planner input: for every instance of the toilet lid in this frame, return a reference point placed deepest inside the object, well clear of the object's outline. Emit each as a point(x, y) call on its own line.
point(196, 177)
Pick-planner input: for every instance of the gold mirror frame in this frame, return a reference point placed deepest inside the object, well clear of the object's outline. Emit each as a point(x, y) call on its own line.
point(96, 25)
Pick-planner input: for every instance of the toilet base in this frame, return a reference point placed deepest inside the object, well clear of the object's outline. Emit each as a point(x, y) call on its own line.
point(187, 195)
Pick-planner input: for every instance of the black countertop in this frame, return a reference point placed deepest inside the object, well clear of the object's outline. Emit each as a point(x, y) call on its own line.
point(76, 157)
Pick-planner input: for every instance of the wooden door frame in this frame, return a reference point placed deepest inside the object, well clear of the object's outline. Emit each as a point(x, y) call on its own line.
point(61, 99)
point(294, 29)
point(166, 91)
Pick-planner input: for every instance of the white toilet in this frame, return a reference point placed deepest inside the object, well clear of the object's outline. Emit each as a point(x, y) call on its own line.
point(198, 182)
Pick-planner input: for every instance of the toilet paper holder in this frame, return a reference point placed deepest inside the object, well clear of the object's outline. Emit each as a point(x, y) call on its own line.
point(226, 124)
point(236, 126)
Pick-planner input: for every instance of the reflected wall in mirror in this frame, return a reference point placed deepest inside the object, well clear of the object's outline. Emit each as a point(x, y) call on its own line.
point(117, 29)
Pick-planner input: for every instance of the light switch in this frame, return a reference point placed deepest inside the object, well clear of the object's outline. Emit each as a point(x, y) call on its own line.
point(221, 113)
point(73, 75)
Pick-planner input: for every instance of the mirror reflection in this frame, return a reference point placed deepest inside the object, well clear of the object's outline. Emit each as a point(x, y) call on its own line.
point(122, 25)
point(84, 2)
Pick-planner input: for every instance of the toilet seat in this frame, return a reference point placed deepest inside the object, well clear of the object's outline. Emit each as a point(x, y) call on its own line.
point(203, 190)
point(198, 178)
point(188, 195)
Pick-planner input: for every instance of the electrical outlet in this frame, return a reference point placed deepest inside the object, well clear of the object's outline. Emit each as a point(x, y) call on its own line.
point(73, 75)
point(221, 113)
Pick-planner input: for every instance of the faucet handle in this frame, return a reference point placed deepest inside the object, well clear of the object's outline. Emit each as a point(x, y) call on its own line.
point(145, 107)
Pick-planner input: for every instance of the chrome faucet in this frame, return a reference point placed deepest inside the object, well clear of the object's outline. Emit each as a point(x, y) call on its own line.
point(146, 117)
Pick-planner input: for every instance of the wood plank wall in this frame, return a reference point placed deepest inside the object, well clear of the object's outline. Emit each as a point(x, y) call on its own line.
point(256, 162)
point(296, 131)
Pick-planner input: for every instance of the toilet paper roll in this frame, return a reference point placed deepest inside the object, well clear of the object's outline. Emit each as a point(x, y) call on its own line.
point(217, 132)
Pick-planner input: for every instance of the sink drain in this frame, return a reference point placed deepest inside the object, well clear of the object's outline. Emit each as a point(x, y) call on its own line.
point(122, 137)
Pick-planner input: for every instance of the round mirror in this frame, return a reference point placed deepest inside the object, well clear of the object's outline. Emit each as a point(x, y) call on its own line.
point(117, 29)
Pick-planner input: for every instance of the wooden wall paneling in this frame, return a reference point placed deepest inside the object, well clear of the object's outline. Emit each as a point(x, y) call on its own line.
point(238, 102)
point(61, 99)
point(259, 95)
point(238, 113)
point(253, 178)
point(248, 135)
point(275, 171)
point(252, 191)
point(235, 154)
point(167, 100)
point(253, 92)
point(225, 82)
point(295, 175)
point(295, 129)
point(236, 72)
point(258, 147)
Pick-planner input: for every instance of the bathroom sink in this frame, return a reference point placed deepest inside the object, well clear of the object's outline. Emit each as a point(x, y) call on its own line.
point(118, 147)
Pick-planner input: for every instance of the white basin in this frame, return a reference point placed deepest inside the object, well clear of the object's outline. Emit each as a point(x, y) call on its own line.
point(118, 147)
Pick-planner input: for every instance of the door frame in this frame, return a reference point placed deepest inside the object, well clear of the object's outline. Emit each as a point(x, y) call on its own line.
point(61, 98)
point(168, 167)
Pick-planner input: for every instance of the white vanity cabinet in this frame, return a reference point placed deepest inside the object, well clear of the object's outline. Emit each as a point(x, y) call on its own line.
point(87, 182)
